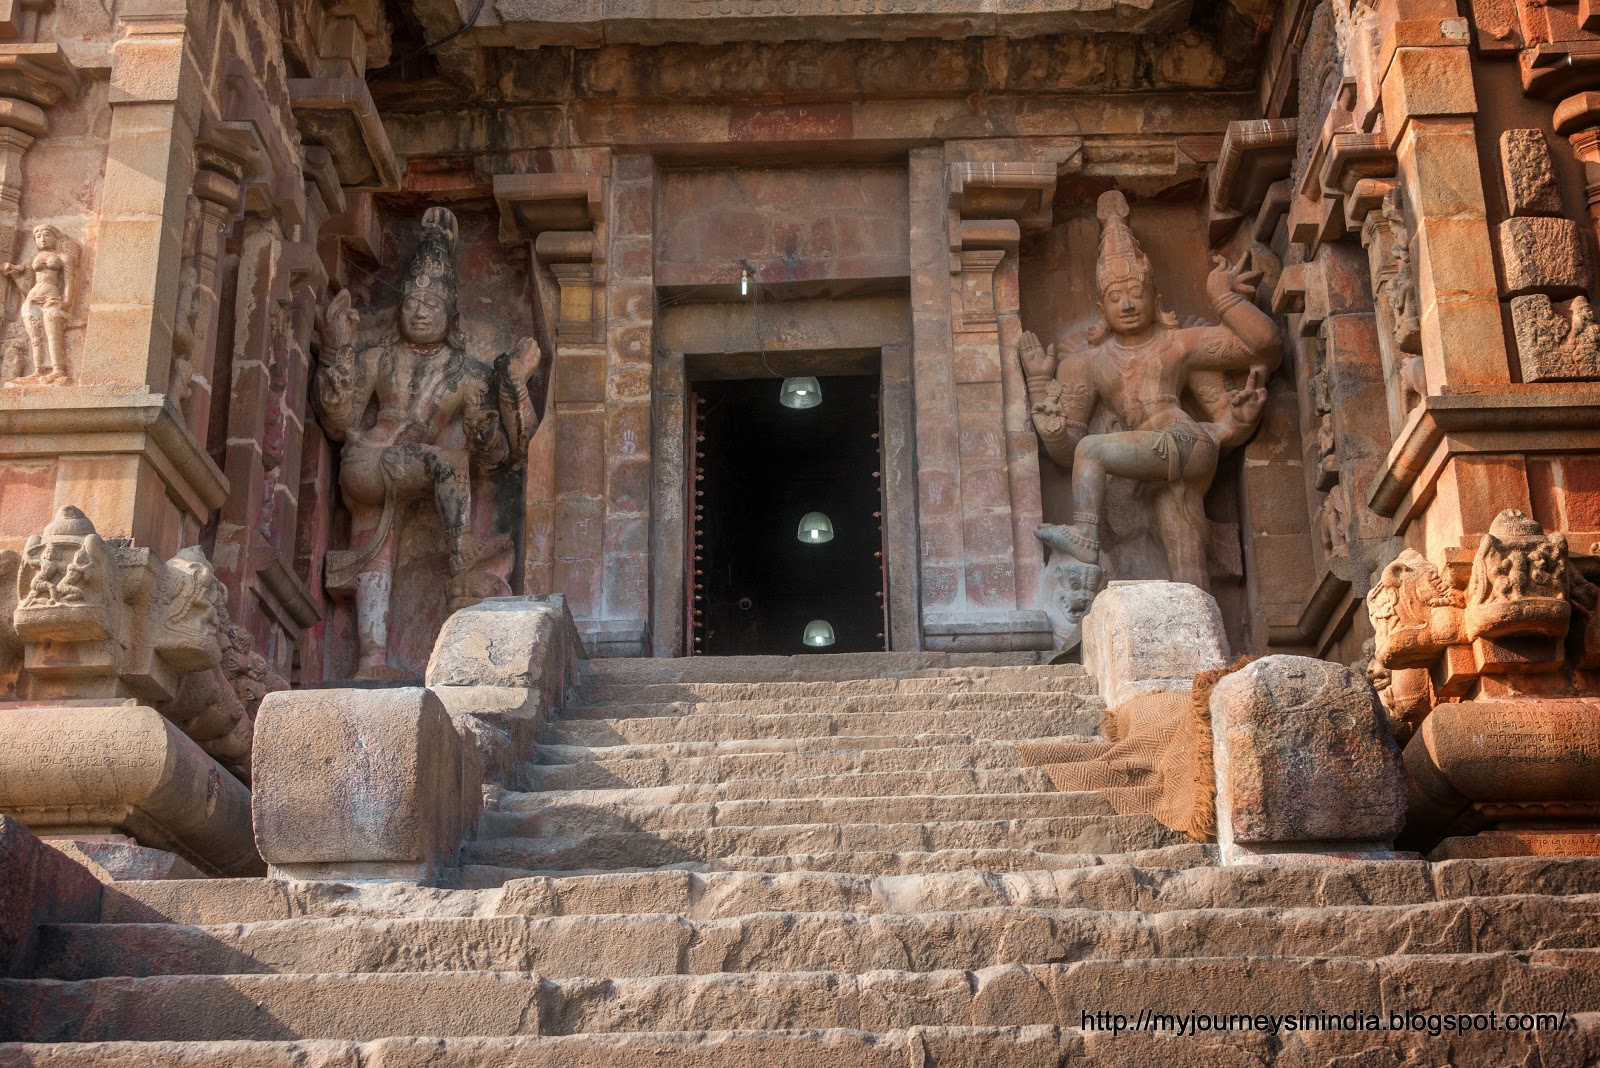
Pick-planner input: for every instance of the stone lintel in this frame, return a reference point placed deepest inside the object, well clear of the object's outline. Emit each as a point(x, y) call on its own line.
point(295, 608)
point(534, 23)
point(340, 115)
point(74, 422)
point(1533, 419)
point(75, 768)
point(1020, 191)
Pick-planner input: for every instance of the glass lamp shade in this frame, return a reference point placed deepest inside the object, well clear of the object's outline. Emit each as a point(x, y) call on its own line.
point(800, 393)
point(819, 634)
point(815, 528)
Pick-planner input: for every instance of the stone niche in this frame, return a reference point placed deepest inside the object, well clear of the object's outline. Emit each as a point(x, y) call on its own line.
point(1058, 296)
point(494, 314)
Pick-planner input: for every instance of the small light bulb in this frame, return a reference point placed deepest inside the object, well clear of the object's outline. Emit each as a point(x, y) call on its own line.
point(744, 282)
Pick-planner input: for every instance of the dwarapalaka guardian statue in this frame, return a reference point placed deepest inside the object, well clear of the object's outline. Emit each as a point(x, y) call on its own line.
point(417, 417)
point(1138, 363)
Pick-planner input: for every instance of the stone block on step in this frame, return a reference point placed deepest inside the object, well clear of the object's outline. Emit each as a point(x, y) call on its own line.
point(1151, 637)
point(362, 784)
point(37, 885)
point(1305, 761)
point(118, 858)
point(123, 769)
point(528, 643)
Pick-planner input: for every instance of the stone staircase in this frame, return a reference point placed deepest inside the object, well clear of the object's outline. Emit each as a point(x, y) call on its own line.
point(819, 862)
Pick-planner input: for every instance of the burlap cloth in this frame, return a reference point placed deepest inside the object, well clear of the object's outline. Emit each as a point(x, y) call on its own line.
point(1156, 759)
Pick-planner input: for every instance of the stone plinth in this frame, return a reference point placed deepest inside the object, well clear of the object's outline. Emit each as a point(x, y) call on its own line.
point(1305, 763)
point(499, 667)
point(96, 768)
point(1585, 843)
point(40, 886)
point(1150, 637)
point(1020, 631)
point(1539, 754)
point(362, 784)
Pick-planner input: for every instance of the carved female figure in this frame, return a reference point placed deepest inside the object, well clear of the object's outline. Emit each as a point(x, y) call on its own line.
point(46, 302)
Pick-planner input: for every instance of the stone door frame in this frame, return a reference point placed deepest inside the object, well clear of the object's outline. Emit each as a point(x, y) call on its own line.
point(804, 337)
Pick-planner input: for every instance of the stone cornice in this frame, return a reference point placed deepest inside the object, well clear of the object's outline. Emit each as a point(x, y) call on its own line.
point(1516, 418)
point(67, 421)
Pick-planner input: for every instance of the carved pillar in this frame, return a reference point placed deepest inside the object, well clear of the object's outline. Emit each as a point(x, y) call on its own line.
point(986, 526)
point(1428, 108)
point(576, 525)
point(155, 97)
point(218, 199)
point(629, 303)
point(115, 448)
point(20, 124)
point(1578, 119)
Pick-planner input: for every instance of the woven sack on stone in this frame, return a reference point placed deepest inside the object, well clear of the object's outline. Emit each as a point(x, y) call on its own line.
point(1157, 759)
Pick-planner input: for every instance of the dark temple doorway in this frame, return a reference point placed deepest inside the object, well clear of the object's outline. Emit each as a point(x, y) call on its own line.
point(760, 469)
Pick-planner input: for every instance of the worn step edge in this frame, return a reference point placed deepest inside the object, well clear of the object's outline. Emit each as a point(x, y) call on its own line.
point(527, 815)
point(847, 785)
point(1087, 703)
point(884, 863)
point(362, 1007)
point(1095, 834)
point(713, 895)
point(704, 727)
point(557, 754)
point(1030, 1045)
point(654, 945)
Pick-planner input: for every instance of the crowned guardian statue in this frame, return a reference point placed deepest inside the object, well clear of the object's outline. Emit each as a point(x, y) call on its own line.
point(1139, 363)
point(418, 416)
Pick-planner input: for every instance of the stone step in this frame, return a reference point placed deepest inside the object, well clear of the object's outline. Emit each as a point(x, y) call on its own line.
point(713, 895)
point(740, 747)
point(554, 814)
point(712, 726)
point(806, 668)
point(1065, 702)
point(915, 863)
point(657, 945)
point(1069, 678)
point(662, 771)
point(659, 848)
point(946, 1047)
point(364, 1007)
point(846, 784)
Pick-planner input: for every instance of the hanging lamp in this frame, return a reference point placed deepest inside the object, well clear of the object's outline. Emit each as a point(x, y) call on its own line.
point(800, 393)
point(819, 634)
point(815, 528)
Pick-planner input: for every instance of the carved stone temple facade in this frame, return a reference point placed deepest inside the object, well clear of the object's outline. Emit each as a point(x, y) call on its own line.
point(404, 401)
